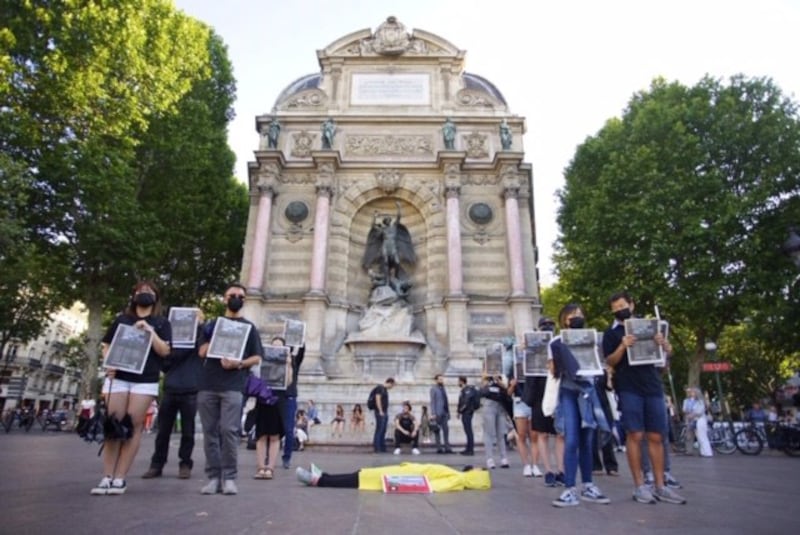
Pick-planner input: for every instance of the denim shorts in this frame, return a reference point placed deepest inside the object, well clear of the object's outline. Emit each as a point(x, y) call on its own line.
point(120, 386)
point(642, 413)
point(521, 409)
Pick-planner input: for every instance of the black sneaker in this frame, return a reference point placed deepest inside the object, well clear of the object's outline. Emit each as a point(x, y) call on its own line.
point(118, 487)
point(549, 479)
point(560, 480)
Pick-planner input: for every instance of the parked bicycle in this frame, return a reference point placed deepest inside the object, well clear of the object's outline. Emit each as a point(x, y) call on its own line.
point(720, 437)
point(751, 438)
point(57, 420)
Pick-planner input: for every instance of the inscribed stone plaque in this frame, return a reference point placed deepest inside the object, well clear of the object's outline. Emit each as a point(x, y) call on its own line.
point(390, 90)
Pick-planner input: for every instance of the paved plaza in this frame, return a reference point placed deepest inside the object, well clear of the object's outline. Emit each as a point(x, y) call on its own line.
point(46, 479)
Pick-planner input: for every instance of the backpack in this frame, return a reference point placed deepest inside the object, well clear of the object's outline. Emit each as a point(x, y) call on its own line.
point(473, 397)
point(371, 405)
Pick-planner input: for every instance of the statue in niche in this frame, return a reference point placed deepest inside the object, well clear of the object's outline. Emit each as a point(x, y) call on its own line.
point(273, 132)
point(328, 131)
point(389, 245)
point(449, 134)
point(506, 138)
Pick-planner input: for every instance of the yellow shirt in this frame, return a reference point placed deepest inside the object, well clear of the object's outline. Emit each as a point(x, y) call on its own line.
point(441, 478)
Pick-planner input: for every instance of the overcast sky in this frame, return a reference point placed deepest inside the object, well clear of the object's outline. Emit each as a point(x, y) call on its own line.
point(567, 66)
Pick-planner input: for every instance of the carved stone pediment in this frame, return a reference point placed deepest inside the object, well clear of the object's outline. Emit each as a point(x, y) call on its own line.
point(310, 98)
point(392, 39)
point(472, 98)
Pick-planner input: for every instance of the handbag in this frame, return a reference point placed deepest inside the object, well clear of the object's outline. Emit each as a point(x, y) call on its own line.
point(257, 388)
point(550, 398)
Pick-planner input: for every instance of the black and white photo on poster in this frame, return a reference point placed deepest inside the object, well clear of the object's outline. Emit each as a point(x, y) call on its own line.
point(275, 367)
point(519, 362)
point(229, 339)
point(644, 350)
point(583, 344)
point(493, 362)
point(294, 333)
point(536, 353)
point(183, 321)
point(129, 349)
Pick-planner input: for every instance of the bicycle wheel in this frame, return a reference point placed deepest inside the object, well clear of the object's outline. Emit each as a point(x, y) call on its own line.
point(748, 442)
point(680, 444)
point(725, 442)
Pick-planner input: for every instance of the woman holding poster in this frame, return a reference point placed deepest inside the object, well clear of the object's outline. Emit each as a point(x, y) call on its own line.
point(131, 383)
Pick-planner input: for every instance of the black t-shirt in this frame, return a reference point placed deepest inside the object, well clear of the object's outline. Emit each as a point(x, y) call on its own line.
point(644, 380)
point(215, 377)
point(152, 367)
point(406, 421)
point(383, 392)
point(297, 360)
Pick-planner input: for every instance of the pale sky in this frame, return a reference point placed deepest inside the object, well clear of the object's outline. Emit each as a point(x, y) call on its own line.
point(567, 66)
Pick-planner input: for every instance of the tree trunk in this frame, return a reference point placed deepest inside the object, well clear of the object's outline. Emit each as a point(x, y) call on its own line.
point(94, 335)
point(695, 366)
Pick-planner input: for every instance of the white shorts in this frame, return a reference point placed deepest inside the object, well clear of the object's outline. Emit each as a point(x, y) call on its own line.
point(120, 386)
point(521, 409)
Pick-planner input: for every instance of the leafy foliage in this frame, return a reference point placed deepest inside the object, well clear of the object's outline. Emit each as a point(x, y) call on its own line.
point(685, 201)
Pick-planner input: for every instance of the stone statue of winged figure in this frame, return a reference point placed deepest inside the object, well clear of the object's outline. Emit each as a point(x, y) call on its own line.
point(389, 244)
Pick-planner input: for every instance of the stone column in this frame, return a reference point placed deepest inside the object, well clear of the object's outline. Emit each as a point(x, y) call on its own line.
point(255, 278)
point(455, 274)
point(514, 240)
point(320, 249)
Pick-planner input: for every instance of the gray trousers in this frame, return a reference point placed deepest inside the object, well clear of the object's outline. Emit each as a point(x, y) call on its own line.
point(494, 427)
point(220, 414)
point(444, 431)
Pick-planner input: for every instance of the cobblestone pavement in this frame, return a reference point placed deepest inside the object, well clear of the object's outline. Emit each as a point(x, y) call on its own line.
point(46, 479)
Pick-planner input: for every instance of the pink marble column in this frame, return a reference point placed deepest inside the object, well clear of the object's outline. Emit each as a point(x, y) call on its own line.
point(319, 254)
point(514, 237)
point(454, 242)
point(258, 259)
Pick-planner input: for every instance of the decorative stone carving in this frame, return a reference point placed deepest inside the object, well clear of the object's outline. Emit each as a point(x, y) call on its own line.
point(360, 145)
point(480, 180)
point(268, 176)
point(311, 98)
point(480, 213)
point(475, 99)
point(510, 177)
point(303, 142)
point(296, 178)
point(476, 145)
point(391, 38)
point(388, 180)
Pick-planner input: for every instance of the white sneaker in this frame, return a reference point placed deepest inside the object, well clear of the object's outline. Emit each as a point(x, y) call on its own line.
point(102, 488)
point(415, 451)
point(118, 487)
point(504, 463)
point(490, 464)
point(212, 487)
point(229, 487)
point(526, 471)
point(536, 471)
point(397, 451)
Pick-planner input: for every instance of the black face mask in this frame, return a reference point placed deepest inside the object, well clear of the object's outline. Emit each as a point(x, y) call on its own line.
point(622, 314)
point(235, 303)
point(576, 323)
point(144, 300)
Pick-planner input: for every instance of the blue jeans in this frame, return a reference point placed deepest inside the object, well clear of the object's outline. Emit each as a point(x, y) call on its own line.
point(220, 415)
point(288, 415)
point(577, 439)
point(379, 439)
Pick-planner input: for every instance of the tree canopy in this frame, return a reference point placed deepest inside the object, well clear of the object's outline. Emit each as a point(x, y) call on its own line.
point(117, 111)
point(685, 201)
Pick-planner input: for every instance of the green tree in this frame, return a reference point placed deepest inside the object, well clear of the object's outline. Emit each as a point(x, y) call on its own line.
point(684, 200)
point(83, 82)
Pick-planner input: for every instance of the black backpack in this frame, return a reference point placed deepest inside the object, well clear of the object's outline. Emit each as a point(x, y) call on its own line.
point(371, 405)
point(473, 397)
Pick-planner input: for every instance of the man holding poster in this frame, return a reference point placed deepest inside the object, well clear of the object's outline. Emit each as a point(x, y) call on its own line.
point(219, 400)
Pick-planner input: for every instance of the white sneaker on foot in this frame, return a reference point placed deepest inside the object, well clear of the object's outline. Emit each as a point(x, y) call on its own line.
point(536, 471)
point(526, 471)
point(118, 487)
point(229, 487)
point(212, 487)
point(102, 488)
point(415, 451)
point(490, 463)
point(397, 451)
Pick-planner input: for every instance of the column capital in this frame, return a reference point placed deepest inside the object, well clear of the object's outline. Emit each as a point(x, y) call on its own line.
point(324, 190)
point(510, 192)
point(452, 191)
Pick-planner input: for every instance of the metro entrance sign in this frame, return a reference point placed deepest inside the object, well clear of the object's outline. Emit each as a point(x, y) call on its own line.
point(717, 366)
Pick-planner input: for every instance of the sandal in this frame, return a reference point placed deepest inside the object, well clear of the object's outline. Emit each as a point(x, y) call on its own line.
point(267, 473)
point(261, 473)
